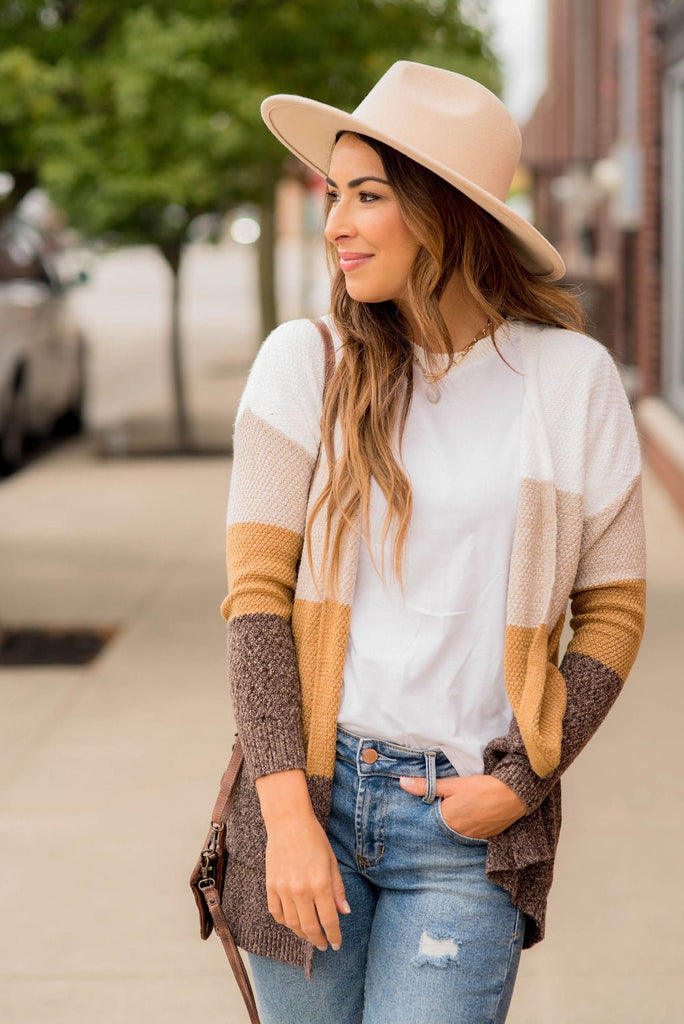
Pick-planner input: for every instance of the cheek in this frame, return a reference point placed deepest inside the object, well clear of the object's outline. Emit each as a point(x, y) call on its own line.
point(404, 254)
point(404, 243)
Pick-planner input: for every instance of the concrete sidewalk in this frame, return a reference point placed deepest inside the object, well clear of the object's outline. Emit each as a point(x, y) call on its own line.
point(108, 772)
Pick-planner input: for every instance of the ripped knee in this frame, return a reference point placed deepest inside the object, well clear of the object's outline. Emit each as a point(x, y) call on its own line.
point(436, 951)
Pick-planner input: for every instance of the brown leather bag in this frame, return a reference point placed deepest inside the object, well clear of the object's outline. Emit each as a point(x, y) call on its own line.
point(208, 876)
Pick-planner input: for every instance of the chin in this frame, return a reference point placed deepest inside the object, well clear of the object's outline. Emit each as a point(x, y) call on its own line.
point(370, 295)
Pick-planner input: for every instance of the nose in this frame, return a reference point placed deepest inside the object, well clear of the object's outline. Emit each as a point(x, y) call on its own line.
point(337, 224)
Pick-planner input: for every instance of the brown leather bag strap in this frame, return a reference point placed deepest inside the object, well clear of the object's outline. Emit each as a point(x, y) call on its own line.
point(329, 349)
point(210, 893)
point(226, 794)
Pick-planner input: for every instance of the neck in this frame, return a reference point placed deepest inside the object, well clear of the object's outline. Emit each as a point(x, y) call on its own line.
point(462, 318)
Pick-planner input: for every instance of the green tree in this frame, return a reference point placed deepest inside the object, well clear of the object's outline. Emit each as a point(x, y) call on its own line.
point(138, 117)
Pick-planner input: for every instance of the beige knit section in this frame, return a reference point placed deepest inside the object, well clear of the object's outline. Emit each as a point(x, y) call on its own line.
point(308, 588)
point(267, 458)
point(546, 548)
point(582, 552)
point(617, 553)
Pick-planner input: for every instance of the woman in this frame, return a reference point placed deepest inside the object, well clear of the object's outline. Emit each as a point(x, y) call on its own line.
point(401, 551)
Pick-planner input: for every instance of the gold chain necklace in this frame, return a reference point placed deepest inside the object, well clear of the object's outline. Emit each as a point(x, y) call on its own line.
point(432, 391)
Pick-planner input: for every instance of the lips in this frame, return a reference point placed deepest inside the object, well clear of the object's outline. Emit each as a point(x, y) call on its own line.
point(353, 260)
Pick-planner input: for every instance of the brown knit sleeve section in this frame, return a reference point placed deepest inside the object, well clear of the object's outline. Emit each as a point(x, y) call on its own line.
point(592, 689)
point(264, 680)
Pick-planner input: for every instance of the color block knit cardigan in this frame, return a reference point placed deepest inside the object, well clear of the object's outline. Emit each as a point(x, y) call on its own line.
point(578, 539)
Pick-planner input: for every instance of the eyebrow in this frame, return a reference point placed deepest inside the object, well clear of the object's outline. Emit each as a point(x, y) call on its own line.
point(355, 182)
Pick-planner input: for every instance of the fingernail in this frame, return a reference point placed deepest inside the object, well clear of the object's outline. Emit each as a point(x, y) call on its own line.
point(335, 946)
point(346, 908)
point(322, 949)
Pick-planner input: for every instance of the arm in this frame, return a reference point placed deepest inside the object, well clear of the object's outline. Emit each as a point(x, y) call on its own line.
point(276, 443)
point(303, 882)
point(275, 447)
point(608, 596)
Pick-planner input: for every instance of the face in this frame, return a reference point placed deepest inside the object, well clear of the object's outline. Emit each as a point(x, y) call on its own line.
point(375, 247)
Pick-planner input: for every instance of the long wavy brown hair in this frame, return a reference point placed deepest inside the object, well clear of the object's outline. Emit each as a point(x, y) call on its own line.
point(370, 391)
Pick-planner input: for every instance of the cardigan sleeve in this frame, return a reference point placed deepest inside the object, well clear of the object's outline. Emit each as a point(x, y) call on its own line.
point(608, 594)
point(276, 440)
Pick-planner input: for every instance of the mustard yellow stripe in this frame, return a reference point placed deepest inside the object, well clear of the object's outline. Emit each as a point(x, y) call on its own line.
point(320, 632)
point(261, 562)
point(608, 623)
point(537, 692)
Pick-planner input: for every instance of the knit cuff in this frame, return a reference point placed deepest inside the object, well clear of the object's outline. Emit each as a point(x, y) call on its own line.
point(264, 679)
point(515, 770)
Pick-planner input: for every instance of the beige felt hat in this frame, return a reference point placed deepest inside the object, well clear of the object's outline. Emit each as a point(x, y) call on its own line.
point(448, 123)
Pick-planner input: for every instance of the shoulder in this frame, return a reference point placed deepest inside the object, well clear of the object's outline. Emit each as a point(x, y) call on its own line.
point(559, 349)
point(285, 384)
point(576, 385)
point(293, 351)
point(564, 359)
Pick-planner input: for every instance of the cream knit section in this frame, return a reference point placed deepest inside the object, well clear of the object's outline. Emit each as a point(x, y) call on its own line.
point(285, 384)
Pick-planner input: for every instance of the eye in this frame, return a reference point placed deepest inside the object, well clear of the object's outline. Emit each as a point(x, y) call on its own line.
point(333, 197)
point(368, 197)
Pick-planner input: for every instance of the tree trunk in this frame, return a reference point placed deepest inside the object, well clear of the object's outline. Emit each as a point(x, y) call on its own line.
point(24, 181)
point(267, 240)
point(172, 252)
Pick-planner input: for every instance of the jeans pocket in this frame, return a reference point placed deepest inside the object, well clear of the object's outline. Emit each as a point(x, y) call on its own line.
point(451, 832)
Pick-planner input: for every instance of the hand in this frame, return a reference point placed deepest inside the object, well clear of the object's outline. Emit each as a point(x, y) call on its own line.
point(480, 806)
point(303, 882)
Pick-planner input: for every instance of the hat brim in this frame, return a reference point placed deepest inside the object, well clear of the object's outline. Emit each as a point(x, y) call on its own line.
point(309, 128)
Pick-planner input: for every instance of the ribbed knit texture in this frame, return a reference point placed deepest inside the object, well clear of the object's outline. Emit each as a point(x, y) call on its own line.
point(579, 536)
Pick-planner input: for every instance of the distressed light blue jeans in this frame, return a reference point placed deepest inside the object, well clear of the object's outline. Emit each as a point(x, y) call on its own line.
point(430, 940)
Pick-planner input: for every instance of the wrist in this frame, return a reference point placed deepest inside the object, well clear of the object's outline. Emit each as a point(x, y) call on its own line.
point(513, 801)
point(517, 774)
point(284, 797)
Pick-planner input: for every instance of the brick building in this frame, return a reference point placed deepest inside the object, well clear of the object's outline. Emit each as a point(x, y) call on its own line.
point(605, 148)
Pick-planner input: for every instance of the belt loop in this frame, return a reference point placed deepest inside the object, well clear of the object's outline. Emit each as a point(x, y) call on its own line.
point(430, 777)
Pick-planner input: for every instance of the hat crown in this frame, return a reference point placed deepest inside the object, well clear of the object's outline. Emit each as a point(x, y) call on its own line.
point(444, 121)
point(457, 120)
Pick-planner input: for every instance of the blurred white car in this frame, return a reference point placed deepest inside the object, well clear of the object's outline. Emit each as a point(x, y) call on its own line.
point(42, 352)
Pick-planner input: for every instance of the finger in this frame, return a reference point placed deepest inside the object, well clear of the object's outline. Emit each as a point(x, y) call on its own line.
point(291, 917)
point(413, 785)
point(275, 907)
point(418, 786)
point(339, 894)
point(311, 926)
point(330, 922)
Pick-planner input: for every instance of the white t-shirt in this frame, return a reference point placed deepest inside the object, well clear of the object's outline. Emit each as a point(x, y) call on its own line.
point(425, 668)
